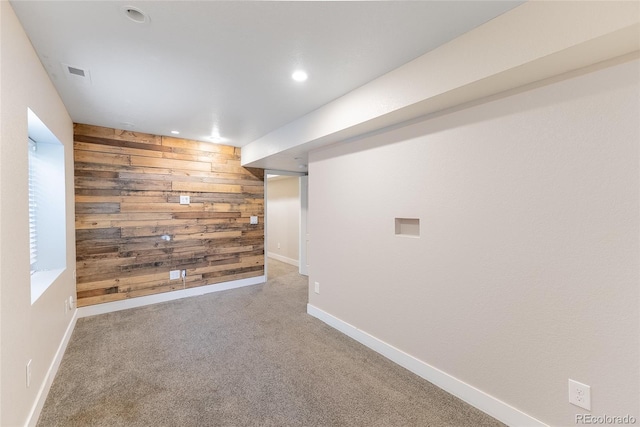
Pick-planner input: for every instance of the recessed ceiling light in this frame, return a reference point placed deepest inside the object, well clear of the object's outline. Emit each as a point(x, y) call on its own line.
point(215, 135)
point(175, 132)
point(217, 139)
point(299, 76)
point(135, 14)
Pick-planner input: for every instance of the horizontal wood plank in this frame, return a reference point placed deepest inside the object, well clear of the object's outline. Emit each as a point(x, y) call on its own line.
point(169, 163)
point(80, 130)
point(205, 187)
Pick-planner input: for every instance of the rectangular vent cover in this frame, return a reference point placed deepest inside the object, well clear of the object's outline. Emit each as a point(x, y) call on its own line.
point(77, 74)
point(76, 71)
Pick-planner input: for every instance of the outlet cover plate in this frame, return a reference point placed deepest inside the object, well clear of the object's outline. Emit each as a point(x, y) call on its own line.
point(580, 394)
point(253, 220)
point(185, 200)
point(174, 274)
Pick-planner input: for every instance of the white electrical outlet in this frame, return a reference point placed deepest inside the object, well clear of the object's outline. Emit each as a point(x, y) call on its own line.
point(185, 200)
point(29, 373)
point(580, 394)
point(66, 306)
point(174, 274)
point(316, 287)
point(253, 220)
point(70, 302)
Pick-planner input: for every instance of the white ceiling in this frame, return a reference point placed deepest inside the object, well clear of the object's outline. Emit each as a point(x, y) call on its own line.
point(196, 66)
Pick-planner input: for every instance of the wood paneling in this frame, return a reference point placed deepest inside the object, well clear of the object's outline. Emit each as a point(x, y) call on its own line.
point(127, 188)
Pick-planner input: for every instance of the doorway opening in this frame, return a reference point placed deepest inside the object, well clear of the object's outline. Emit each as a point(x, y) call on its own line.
point(285, 220)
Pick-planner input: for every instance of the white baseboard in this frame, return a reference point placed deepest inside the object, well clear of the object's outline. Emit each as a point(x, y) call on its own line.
point(477, 398)
point(277, 257)
point(34, 415)
point(109, 307)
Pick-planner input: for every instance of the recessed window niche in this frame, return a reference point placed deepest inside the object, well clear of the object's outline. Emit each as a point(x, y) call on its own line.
point(47, 218)
point(408, 227)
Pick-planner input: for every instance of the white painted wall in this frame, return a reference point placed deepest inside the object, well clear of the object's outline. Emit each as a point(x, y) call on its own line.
point(28, 331)
point(526, 271)
point(283, 218)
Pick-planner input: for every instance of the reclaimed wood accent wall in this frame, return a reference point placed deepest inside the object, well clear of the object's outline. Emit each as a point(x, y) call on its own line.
point(131, 229)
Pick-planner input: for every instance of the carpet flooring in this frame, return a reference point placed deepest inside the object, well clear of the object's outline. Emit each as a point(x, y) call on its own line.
point(244, 357)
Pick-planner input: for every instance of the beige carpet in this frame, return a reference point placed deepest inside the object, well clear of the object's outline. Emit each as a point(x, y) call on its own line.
point(245, 357)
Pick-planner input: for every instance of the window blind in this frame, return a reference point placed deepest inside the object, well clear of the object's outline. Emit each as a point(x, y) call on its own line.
point(33, 191)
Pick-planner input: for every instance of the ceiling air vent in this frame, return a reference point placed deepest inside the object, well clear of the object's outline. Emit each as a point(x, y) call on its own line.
point(77, 74)
point(76, 71)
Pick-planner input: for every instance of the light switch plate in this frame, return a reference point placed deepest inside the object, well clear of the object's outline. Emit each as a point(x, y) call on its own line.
point(253, 220)
point(185, 200)
point(28, 373)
